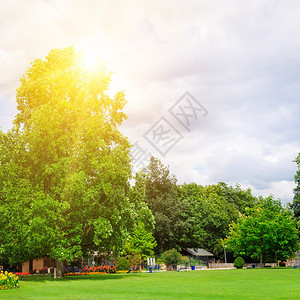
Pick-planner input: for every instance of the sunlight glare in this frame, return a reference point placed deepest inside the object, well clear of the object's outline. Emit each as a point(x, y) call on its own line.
point(91, 59)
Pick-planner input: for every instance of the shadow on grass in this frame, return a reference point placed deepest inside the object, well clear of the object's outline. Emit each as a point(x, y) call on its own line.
point(77, 277)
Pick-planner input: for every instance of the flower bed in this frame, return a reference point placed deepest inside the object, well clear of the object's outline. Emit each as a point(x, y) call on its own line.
point(21, 273)
point(84, 273)
point(122, 271)
point(8, 280)
point(94, 270)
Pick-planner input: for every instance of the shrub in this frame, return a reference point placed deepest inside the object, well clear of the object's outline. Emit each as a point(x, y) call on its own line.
point(43, 270)
point(171, 257)
point(123, 264)
point(8, 280)
point(112, 269)
point(239, 262)
point(134, 260)
point(195, 262)
point(281, 264)
point(185, 260)
point(159, 261)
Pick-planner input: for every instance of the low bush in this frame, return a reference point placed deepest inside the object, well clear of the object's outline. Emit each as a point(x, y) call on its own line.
point(239, 262)
point(185, 261)
point(8, 280)
point(123, 264)
point(195, 262)
point(172, 257)
point(159, 261)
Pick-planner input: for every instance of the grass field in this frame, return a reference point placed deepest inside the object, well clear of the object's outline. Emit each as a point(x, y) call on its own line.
point(212, 284)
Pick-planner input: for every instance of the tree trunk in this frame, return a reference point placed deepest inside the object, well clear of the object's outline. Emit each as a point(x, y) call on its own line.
point(276, 260)
point(260, 261)
point(58, 271)
point(30, 265)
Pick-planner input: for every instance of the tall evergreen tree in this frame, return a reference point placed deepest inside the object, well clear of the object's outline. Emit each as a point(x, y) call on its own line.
point(170, 212)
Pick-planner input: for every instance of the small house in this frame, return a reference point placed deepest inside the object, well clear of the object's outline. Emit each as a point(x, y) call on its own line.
point(199, 254)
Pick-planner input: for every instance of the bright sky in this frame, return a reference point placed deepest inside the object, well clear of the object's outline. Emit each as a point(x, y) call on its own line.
point(240, 61)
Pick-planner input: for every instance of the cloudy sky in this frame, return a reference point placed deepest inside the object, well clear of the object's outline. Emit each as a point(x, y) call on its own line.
point(239, 61)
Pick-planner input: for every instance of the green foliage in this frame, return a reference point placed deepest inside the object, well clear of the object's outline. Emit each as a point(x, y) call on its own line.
point(172, 221)
point(24, 230)
point(211, 210)
point(296, 202)
point(171, 257)
point(137, 195)
point(195, 262)
point(239, 263)
point(185, 260)
point(242, 199)
point(8, 280)
point(282, 264)
point(191, 215)
point(158, 259)
point(123, 264)
point(267, 231)
point(65, 166)
point(141, 242)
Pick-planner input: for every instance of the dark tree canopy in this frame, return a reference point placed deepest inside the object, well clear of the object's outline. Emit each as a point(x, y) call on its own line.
point(171, 220)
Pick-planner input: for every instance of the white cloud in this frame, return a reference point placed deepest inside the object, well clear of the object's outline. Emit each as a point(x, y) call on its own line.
point(280, 190)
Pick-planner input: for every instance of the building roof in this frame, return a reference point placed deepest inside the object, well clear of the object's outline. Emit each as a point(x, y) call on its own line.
point(198, 252)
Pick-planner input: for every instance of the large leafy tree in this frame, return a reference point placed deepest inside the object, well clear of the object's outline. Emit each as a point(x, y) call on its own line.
point(296, 203)
point(266, 232)
point(241, 199)
point(70, 155)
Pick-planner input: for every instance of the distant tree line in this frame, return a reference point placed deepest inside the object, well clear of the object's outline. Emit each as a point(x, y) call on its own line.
point(210, 217)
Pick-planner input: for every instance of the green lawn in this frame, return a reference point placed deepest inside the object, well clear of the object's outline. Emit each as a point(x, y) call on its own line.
point(212, 284)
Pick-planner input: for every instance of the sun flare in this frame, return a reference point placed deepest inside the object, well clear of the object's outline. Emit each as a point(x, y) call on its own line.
point(91, 59)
